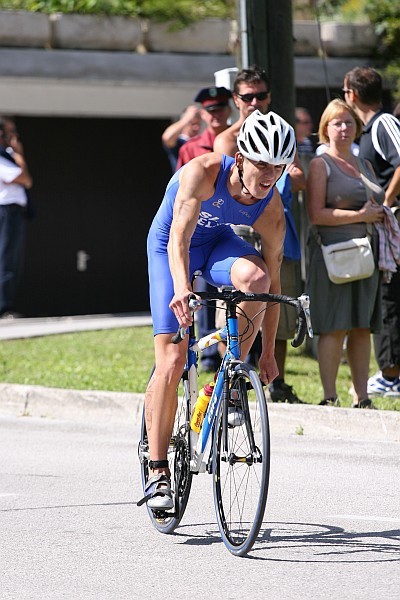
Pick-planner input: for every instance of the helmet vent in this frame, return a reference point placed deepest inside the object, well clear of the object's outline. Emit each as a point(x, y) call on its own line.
point(253, 145)
point(276, 143)
point(264, 140)
point(243, 147)
point(285, 144)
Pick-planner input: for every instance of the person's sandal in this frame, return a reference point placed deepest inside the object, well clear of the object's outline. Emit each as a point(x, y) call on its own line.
point(330, 402)
point(366, 403)
point(158, 493)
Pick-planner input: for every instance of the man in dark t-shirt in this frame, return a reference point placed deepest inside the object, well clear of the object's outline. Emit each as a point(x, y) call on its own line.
point(380, 144)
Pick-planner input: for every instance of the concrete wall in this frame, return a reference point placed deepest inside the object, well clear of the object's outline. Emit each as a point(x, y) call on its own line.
point(116, 66)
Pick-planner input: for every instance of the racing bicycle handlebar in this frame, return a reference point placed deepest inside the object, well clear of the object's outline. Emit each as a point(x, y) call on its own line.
point(232, 296)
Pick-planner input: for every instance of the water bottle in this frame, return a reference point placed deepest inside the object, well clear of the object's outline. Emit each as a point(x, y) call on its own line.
point(201, 406)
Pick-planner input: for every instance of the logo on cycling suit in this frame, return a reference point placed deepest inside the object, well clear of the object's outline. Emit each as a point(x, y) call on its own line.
point(218, 203)
point(208, 220)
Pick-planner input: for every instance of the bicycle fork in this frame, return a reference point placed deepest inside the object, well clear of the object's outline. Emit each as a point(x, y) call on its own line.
point(230, 396)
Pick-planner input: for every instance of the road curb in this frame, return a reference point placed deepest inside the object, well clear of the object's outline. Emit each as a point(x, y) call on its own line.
point(57, 403)
point(286, 419)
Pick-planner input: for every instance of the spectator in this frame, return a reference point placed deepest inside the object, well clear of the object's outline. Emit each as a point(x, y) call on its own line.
point(380, 144)
point(178, 133)
point(251, 92)
point(12, 135)
point(14, 178)
point(340, 206)
point(321, 148)
point(215, 112)
point(303, 128)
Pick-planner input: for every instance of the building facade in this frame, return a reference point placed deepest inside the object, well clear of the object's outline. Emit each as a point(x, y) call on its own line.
point(91, 98)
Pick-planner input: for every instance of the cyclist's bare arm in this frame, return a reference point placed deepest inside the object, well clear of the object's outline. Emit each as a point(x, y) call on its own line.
point(196, 184)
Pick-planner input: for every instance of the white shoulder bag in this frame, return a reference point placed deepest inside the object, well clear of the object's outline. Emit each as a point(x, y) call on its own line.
point(350, 260)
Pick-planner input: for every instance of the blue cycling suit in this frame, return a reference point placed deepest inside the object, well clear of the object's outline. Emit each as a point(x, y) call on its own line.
point(213, 249)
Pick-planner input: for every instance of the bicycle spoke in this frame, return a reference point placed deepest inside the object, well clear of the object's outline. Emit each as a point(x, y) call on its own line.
point(241, 479)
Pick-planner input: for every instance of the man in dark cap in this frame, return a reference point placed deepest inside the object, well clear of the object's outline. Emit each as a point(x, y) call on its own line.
point(215, 112)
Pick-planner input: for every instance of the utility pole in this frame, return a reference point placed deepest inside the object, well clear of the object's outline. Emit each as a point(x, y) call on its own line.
point(269, 35)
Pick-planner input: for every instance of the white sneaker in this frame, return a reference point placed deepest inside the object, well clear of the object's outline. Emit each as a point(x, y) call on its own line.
point(378, 385)
point(394, 391)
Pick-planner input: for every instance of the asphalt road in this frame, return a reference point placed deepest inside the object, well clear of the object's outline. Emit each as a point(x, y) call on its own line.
point(70, 528)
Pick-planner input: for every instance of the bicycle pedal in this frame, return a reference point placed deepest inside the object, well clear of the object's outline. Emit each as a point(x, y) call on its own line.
point(163, 514)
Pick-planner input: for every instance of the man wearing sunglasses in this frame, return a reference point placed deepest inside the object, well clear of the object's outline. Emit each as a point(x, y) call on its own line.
point(380, 144)
point(251, 92)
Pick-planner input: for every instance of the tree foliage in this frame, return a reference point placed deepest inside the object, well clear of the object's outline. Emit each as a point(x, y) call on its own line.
point(384, 15)
point(181, 12)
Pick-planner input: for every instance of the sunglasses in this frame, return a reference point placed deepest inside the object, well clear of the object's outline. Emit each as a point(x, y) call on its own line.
point(250, 97)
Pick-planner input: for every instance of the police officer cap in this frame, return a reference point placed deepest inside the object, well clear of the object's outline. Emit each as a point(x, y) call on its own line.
point(213, 97)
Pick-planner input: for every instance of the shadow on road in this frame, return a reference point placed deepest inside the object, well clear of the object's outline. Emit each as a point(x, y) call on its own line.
point(310, 542)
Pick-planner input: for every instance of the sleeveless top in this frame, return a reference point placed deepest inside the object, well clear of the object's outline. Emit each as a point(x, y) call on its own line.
point(348, 193)
point(216, 214)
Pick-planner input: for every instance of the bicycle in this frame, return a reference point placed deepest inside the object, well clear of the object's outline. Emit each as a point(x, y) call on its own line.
point(238, 454)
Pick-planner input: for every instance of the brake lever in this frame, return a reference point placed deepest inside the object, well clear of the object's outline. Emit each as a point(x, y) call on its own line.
point(305, 305)
point(181, 333)
point(179, 336)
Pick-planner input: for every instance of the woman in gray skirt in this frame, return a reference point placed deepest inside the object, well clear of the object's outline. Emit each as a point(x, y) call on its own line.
point(343, 201)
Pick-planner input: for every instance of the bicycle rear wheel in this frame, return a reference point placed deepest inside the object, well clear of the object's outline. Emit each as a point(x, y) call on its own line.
point(179, 464)
point(241, 475)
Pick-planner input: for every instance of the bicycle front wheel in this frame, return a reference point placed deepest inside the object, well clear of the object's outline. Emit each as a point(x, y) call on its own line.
point(241, 462)
point(179, 464)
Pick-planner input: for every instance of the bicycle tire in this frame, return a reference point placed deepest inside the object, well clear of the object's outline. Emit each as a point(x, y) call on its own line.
point(179, 463)
point(241, 488)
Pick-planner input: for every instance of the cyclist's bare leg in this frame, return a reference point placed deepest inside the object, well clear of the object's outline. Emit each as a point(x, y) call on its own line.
point(359, 354)
point(250, 274)
point(330, 348)
point(161, 395)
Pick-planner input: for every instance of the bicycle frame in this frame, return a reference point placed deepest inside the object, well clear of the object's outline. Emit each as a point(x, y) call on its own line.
point(199, 441)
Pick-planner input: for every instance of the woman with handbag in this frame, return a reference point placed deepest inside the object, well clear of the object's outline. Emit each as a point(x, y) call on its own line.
point(343, 201)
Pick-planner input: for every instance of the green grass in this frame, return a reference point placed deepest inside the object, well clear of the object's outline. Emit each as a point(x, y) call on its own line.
point(118, 360)
point(121, 359)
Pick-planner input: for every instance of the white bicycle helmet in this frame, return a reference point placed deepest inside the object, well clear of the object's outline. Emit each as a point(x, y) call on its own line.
point(267, 138)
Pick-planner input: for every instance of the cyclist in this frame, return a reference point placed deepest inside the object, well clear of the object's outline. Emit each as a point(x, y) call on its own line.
point(190, 232)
